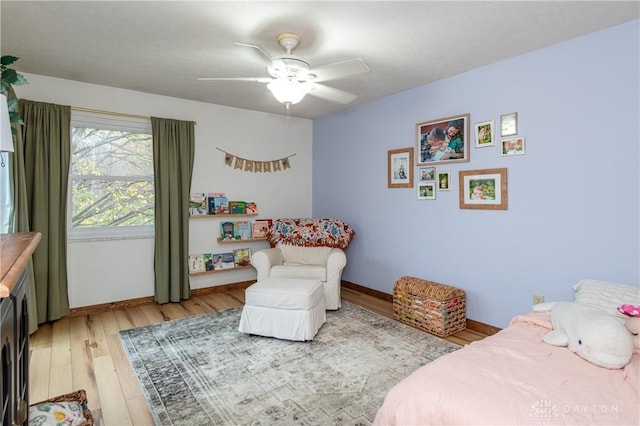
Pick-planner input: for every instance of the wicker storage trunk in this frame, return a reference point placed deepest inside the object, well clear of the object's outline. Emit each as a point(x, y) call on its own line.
point(430, 306)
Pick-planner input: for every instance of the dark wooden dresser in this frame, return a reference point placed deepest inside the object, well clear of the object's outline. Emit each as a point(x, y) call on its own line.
point(15, 252)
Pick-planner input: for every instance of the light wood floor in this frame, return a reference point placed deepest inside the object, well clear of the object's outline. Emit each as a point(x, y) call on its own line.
point(84, 352)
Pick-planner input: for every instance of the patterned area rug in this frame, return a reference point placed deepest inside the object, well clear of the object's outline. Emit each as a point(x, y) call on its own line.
point(201, 371)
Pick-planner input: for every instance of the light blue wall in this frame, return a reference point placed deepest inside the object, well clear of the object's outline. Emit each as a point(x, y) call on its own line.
point(573, 197)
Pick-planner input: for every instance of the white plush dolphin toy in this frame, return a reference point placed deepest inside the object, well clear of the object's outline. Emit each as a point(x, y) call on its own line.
point(591, 333)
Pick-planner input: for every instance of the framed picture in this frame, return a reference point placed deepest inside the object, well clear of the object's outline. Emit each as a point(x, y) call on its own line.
point(445, 140)
point(444, 181)
point(512, 147)
point(426, 191)
point(509, 124)
point(483, 189)
point(400, 168)
point(427, 173)
point(484, 134)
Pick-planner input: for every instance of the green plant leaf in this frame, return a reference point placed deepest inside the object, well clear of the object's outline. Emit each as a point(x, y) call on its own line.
point(21, 80)
point(8, 60)
point(12, 104)
point(9, 76)
point(14, 116)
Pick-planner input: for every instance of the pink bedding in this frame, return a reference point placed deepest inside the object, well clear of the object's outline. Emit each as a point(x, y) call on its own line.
point(513, 378)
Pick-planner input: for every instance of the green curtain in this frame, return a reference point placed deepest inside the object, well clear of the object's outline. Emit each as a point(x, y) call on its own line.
point(173, 156)
point(41, 200)
point(19, 220)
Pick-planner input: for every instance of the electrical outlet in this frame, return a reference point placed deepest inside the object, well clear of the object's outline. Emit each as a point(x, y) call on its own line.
point(538, 298)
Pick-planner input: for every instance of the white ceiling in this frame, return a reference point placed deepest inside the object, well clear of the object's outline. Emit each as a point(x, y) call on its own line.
point(162, 47)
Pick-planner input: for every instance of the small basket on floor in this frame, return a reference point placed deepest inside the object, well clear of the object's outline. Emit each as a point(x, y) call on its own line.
point(60, 410)
point(430, 306)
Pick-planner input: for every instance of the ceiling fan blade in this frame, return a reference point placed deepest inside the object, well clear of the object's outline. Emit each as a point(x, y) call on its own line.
point(258, 48)
point(332, 94)
point(339, 70)
point(256, 79)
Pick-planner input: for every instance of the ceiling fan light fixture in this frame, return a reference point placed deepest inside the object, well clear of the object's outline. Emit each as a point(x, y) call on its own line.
point(289, 91)
point(291, 76)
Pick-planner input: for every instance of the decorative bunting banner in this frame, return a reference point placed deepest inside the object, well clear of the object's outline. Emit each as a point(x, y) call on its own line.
point(255, 165)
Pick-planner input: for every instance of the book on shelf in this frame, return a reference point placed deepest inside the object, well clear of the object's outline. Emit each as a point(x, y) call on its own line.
point(251, 208)
point(242, 230)
point(242, 257)
point(223, 261)
point(221, 205)
point(211, 205)
point(197, 204)
point(237, 207)
point(208, 262)
point(260, 228)
point(227, 230)
point(196, 263)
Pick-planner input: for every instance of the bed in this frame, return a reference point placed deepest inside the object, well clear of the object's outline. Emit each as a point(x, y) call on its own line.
point(513, 378)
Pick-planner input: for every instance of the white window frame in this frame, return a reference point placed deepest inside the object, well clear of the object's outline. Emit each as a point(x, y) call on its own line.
point(107, 122)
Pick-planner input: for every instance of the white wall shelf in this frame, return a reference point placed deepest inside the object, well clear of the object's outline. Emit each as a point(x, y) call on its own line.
point(221, 241)
point(220, 270)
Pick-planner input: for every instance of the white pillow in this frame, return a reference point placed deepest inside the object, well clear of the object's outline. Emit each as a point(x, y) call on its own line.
point(606, 295)
point(63, 413)
point(304, 255)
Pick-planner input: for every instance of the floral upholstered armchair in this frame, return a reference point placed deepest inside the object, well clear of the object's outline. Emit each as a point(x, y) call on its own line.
point(307, 249)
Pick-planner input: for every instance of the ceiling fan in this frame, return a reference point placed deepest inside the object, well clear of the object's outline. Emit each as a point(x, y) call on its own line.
point(292, 76)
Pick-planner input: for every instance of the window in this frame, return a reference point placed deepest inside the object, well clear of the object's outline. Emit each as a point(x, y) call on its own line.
point(111, 177)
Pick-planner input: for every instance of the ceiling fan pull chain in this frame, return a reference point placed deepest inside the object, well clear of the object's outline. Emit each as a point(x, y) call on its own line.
point(287, 106)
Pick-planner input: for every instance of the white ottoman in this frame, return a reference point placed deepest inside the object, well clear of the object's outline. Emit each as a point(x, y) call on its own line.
point(286, 308)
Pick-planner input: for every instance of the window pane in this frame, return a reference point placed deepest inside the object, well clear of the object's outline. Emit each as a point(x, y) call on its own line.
point(111, 177)
point(111, 203)
point(100, 152)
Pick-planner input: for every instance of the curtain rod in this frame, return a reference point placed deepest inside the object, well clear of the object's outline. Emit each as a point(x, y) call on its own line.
point(117, 114)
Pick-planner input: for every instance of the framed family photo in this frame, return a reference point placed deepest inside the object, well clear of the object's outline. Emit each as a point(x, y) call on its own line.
point(483, 189)
point(445, 140)
point(444, 181)
point(509, 124)
point(427, 173)
point(484, 134)
point(400, 168)
point(426, 191)
point(512, 147)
